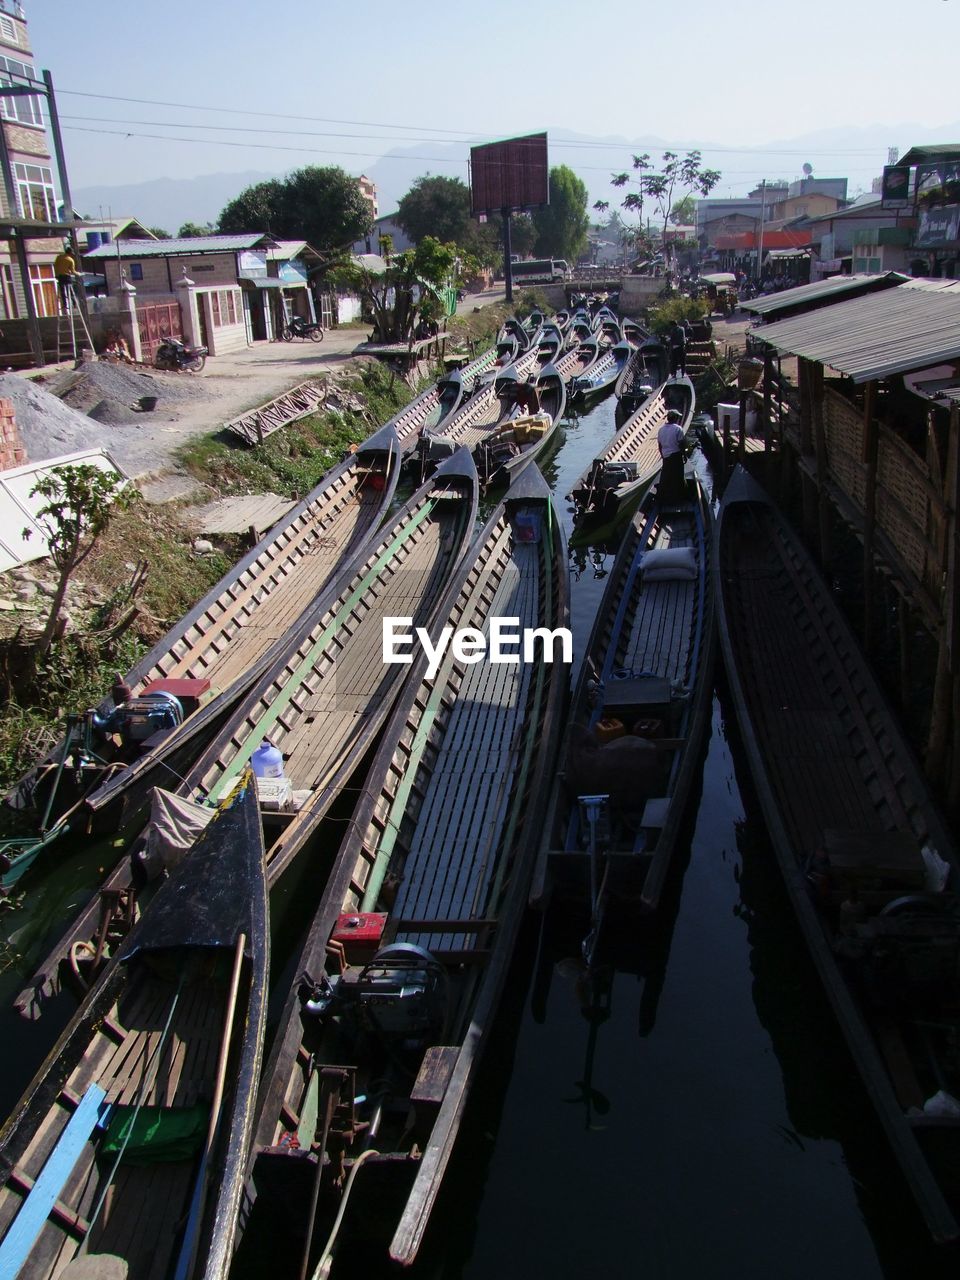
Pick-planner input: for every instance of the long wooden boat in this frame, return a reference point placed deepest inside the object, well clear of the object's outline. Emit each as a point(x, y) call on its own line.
point(615, 481)
point(578, 359)
point(502, 453)
point(861, 846)
point(603, 374)
point(579, 329)
point(220, 646)
point(129, 1146)
point(548, 344)
point(321, 703)
point(501, 425)
point(414, 937)
point(634, 332)
point(649, 369)
point(638, 718)
point(607, 327)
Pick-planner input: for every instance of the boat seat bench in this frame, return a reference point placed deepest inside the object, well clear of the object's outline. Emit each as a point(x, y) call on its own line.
point(44, 1193)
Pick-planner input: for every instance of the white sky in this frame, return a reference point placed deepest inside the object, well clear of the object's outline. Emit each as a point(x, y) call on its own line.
point(731, 75)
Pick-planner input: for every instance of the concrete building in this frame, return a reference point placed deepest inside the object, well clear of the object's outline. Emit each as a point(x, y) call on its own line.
point(29, 191)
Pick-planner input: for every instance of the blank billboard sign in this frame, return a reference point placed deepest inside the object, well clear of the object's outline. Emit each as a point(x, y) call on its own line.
point(509, 175)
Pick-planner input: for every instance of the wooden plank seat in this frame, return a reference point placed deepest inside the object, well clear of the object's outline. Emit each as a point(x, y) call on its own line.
point(45, 1191)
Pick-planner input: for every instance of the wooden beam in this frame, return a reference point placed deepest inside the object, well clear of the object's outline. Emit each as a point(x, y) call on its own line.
point(869, 438)
point(815, 386)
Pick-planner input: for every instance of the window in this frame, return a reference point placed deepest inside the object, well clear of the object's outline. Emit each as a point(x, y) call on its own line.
point(44, 288)
point(35, 191)
point(25, 110)
point(223, 306)
point(11, 307)
point(136, 270)
point(8, 31)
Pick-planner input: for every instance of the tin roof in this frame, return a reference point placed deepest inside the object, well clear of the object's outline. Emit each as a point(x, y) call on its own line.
point(909, 327)
point(179, 247)
point(822, 292)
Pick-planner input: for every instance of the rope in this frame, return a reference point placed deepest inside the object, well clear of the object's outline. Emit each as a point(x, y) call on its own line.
point(141, 1095)
point(326, 1258)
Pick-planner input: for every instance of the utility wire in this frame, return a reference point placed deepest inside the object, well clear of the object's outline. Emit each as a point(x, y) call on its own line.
point(420, 130)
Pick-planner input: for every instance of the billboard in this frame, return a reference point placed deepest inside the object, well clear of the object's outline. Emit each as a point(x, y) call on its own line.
point(939, 226)
point(509, 175)
point(895, 191)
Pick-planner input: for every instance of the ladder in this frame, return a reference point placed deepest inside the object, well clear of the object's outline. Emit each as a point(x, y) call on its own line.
point(67, 325)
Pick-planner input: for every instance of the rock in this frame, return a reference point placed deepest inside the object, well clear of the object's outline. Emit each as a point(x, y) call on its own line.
point(26, 590)
point(203, 547)
point(7, 606)
point(47, 588)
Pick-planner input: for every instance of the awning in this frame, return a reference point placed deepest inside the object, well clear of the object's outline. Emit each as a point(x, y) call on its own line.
point(261, 282)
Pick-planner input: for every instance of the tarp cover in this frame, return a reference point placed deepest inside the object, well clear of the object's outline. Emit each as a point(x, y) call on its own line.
point(159, 1134)
point(175, 824)
point(218, 891)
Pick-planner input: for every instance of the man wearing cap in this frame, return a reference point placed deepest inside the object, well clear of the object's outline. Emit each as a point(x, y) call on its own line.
point(670, 444)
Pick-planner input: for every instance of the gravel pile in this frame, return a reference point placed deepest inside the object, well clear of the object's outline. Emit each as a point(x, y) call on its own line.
point(48, 426)
point(112, 411)
point(99, 385)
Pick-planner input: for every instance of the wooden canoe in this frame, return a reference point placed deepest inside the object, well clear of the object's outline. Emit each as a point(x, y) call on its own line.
point(611, 486)
point(639, 715)
point(603, 374)
point(233, 633)
point(131, 1140)
point(439, 859)
point(642, 375)
point(503, 453)
point(323, 700)
point(856, 834)
point(579, 359)
point(634, 332)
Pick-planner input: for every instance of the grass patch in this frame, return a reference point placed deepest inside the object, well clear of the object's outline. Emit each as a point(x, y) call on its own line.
point(293, 460)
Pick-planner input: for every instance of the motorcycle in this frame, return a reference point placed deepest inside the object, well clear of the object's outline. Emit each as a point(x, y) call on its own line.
point(300, 328)
point(174, 354)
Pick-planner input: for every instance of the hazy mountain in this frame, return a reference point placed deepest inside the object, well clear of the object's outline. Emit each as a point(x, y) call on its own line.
point(166, 202)
point(834, 152)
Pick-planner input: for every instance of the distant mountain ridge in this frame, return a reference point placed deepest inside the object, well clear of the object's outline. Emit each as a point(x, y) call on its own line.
point(834, 152)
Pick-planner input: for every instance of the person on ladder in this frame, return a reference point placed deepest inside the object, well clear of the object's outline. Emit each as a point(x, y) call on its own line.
point(65, 269)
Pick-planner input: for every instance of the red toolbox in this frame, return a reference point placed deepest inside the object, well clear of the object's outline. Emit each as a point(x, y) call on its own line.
point(189, 692)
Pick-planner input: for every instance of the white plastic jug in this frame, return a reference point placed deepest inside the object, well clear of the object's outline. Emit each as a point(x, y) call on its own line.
point(267, 760)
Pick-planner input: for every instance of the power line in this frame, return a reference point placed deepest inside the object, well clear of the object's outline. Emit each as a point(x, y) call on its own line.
point(462, 134)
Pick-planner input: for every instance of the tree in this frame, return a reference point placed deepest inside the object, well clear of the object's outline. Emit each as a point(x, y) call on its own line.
point(81, 501)
point(562, 226)
point(159, 232)
point(438, 207)
point(680, 177)
point(321, 205)
point(189, 230)
point(684, 211)
point(410, 287)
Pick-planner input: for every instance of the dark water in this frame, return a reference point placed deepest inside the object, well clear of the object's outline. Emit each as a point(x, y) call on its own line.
point(697, 1115)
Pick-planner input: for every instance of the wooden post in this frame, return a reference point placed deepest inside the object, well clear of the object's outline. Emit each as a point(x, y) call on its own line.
point(815, 384)
point(768, 399)
point(944, 690)
point(806, 419)
point(868, 457)
point(742, 428)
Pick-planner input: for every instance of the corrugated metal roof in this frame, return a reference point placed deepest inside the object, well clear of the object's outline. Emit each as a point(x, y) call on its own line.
point(909, 327)
point(822, 291)
point(171, 248)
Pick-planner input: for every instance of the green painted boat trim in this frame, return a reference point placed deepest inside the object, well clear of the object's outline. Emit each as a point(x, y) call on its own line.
point(276, 708)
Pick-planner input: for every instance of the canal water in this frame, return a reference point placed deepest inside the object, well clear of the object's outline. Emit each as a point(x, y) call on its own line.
point(694, 1114)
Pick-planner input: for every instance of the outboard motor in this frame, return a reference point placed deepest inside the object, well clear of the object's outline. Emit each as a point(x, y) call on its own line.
point(401, 994)
point(138, 719)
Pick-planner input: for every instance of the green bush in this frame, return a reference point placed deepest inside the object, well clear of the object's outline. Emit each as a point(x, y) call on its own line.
point(678, 308)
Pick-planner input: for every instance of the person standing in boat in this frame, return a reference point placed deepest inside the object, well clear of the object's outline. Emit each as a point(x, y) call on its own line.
point(677, 344)
point(670, 442)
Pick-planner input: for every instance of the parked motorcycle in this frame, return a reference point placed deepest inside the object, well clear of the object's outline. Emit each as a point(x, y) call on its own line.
point(300, 328)
point(174, 354)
